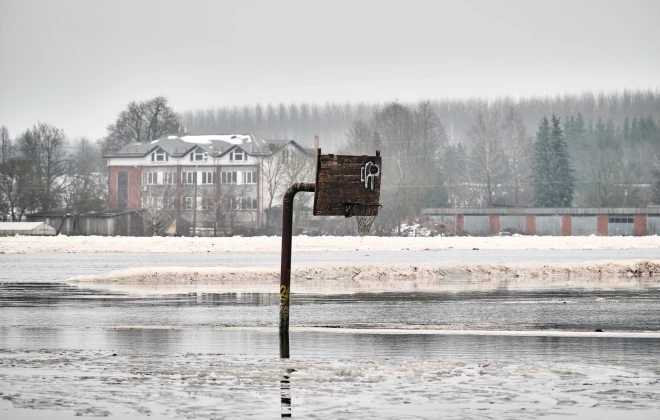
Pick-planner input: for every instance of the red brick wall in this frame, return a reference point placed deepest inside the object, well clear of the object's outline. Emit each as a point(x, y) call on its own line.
point(602, 222)
point(530, 224)
point(566, 225)
point(134, 183)
point(639, 225)
point(460, 222)
point(494, 224)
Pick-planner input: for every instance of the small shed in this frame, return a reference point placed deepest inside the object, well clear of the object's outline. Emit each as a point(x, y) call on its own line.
point(26, 228)
point(108, 223)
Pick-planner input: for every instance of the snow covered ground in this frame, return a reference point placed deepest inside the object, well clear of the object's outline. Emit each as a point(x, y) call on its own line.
point(26, 244)
point(454, 266)
point(444, 277)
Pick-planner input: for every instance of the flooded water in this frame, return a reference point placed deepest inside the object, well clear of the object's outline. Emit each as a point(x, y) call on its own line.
point(68, 351)
point(61, 305)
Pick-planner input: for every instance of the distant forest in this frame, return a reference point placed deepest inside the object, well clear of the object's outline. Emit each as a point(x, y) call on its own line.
point(479, 153)
point(331, 121)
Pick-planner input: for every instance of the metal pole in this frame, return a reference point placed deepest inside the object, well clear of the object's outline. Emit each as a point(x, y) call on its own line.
point(195, 204)
point(285, 270)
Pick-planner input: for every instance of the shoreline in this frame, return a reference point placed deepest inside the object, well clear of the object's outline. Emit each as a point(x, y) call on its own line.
point(455, 277)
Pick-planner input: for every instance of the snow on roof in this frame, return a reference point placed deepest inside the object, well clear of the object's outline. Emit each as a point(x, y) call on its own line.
point(208, 138)
point(19, 225)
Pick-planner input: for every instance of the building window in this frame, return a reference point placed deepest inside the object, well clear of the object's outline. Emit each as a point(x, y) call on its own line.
point(187, 203)
point(237, 154)
point(150, 178)
point(246, 203)
point(122, 190)
point(207, 203)
point(188, 177)
point(156, 178)
point(159, 156)
point(229, 177)
point(169, 177)
point(198, 154)
point(623, 219)
point(208, 177)
point(249, 177)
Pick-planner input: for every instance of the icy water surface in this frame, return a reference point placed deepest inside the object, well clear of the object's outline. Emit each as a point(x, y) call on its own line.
point(67, 351)
point(61, 305)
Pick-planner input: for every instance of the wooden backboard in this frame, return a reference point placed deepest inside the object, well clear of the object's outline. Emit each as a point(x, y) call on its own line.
point(342, 179)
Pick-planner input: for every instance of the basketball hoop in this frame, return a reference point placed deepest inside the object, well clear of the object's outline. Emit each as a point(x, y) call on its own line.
point(365, 215)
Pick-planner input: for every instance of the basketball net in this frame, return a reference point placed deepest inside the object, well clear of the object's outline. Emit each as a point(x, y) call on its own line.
point(364, 222)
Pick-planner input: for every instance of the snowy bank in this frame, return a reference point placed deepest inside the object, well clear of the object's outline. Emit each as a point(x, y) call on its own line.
point(626, 275)
point(82, 244)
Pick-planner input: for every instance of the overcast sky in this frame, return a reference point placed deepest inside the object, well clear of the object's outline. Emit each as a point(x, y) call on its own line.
point(77, 63)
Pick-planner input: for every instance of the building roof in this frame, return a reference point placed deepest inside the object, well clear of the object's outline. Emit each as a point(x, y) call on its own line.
point(178, 146)
point(542, 211)
point(61, 213)
point(214, 144)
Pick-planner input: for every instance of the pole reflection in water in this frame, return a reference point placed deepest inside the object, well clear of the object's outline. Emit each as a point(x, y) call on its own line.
point(285, 391)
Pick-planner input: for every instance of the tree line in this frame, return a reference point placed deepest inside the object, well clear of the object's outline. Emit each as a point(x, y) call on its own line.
point(562, 163)
point(331, 121)
point(584, 150)
point(41, 170)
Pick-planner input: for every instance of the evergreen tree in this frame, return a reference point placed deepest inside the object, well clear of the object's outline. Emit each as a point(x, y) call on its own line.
point(543, 177)
point(564, 184)
point(554, 182)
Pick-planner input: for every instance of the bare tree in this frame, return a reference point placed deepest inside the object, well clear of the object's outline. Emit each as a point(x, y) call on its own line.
point(360, 139)
point(6, 146)
point(213, 207)
point(272, 168)
point(43, 146)
point(411, 141)
point(142, 122)
point(520, 156)
point(428, 146)
point(488, 155)
point(233, 207)
point(86, 185)
point(612, 171)
point(5, 154)
point(17, 188)
point(162, 205)
point(655, 172)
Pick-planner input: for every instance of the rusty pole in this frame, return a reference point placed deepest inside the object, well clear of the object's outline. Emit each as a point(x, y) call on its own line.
point(285, 270)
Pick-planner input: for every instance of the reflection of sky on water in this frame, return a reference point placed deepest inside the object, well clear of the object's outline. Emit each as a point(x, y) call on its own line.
point(61, 305)
point(319, 345)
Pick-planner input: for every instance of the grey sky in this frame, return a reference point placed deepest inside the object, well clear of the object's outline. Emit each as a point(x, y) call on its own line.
point(77, 63)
